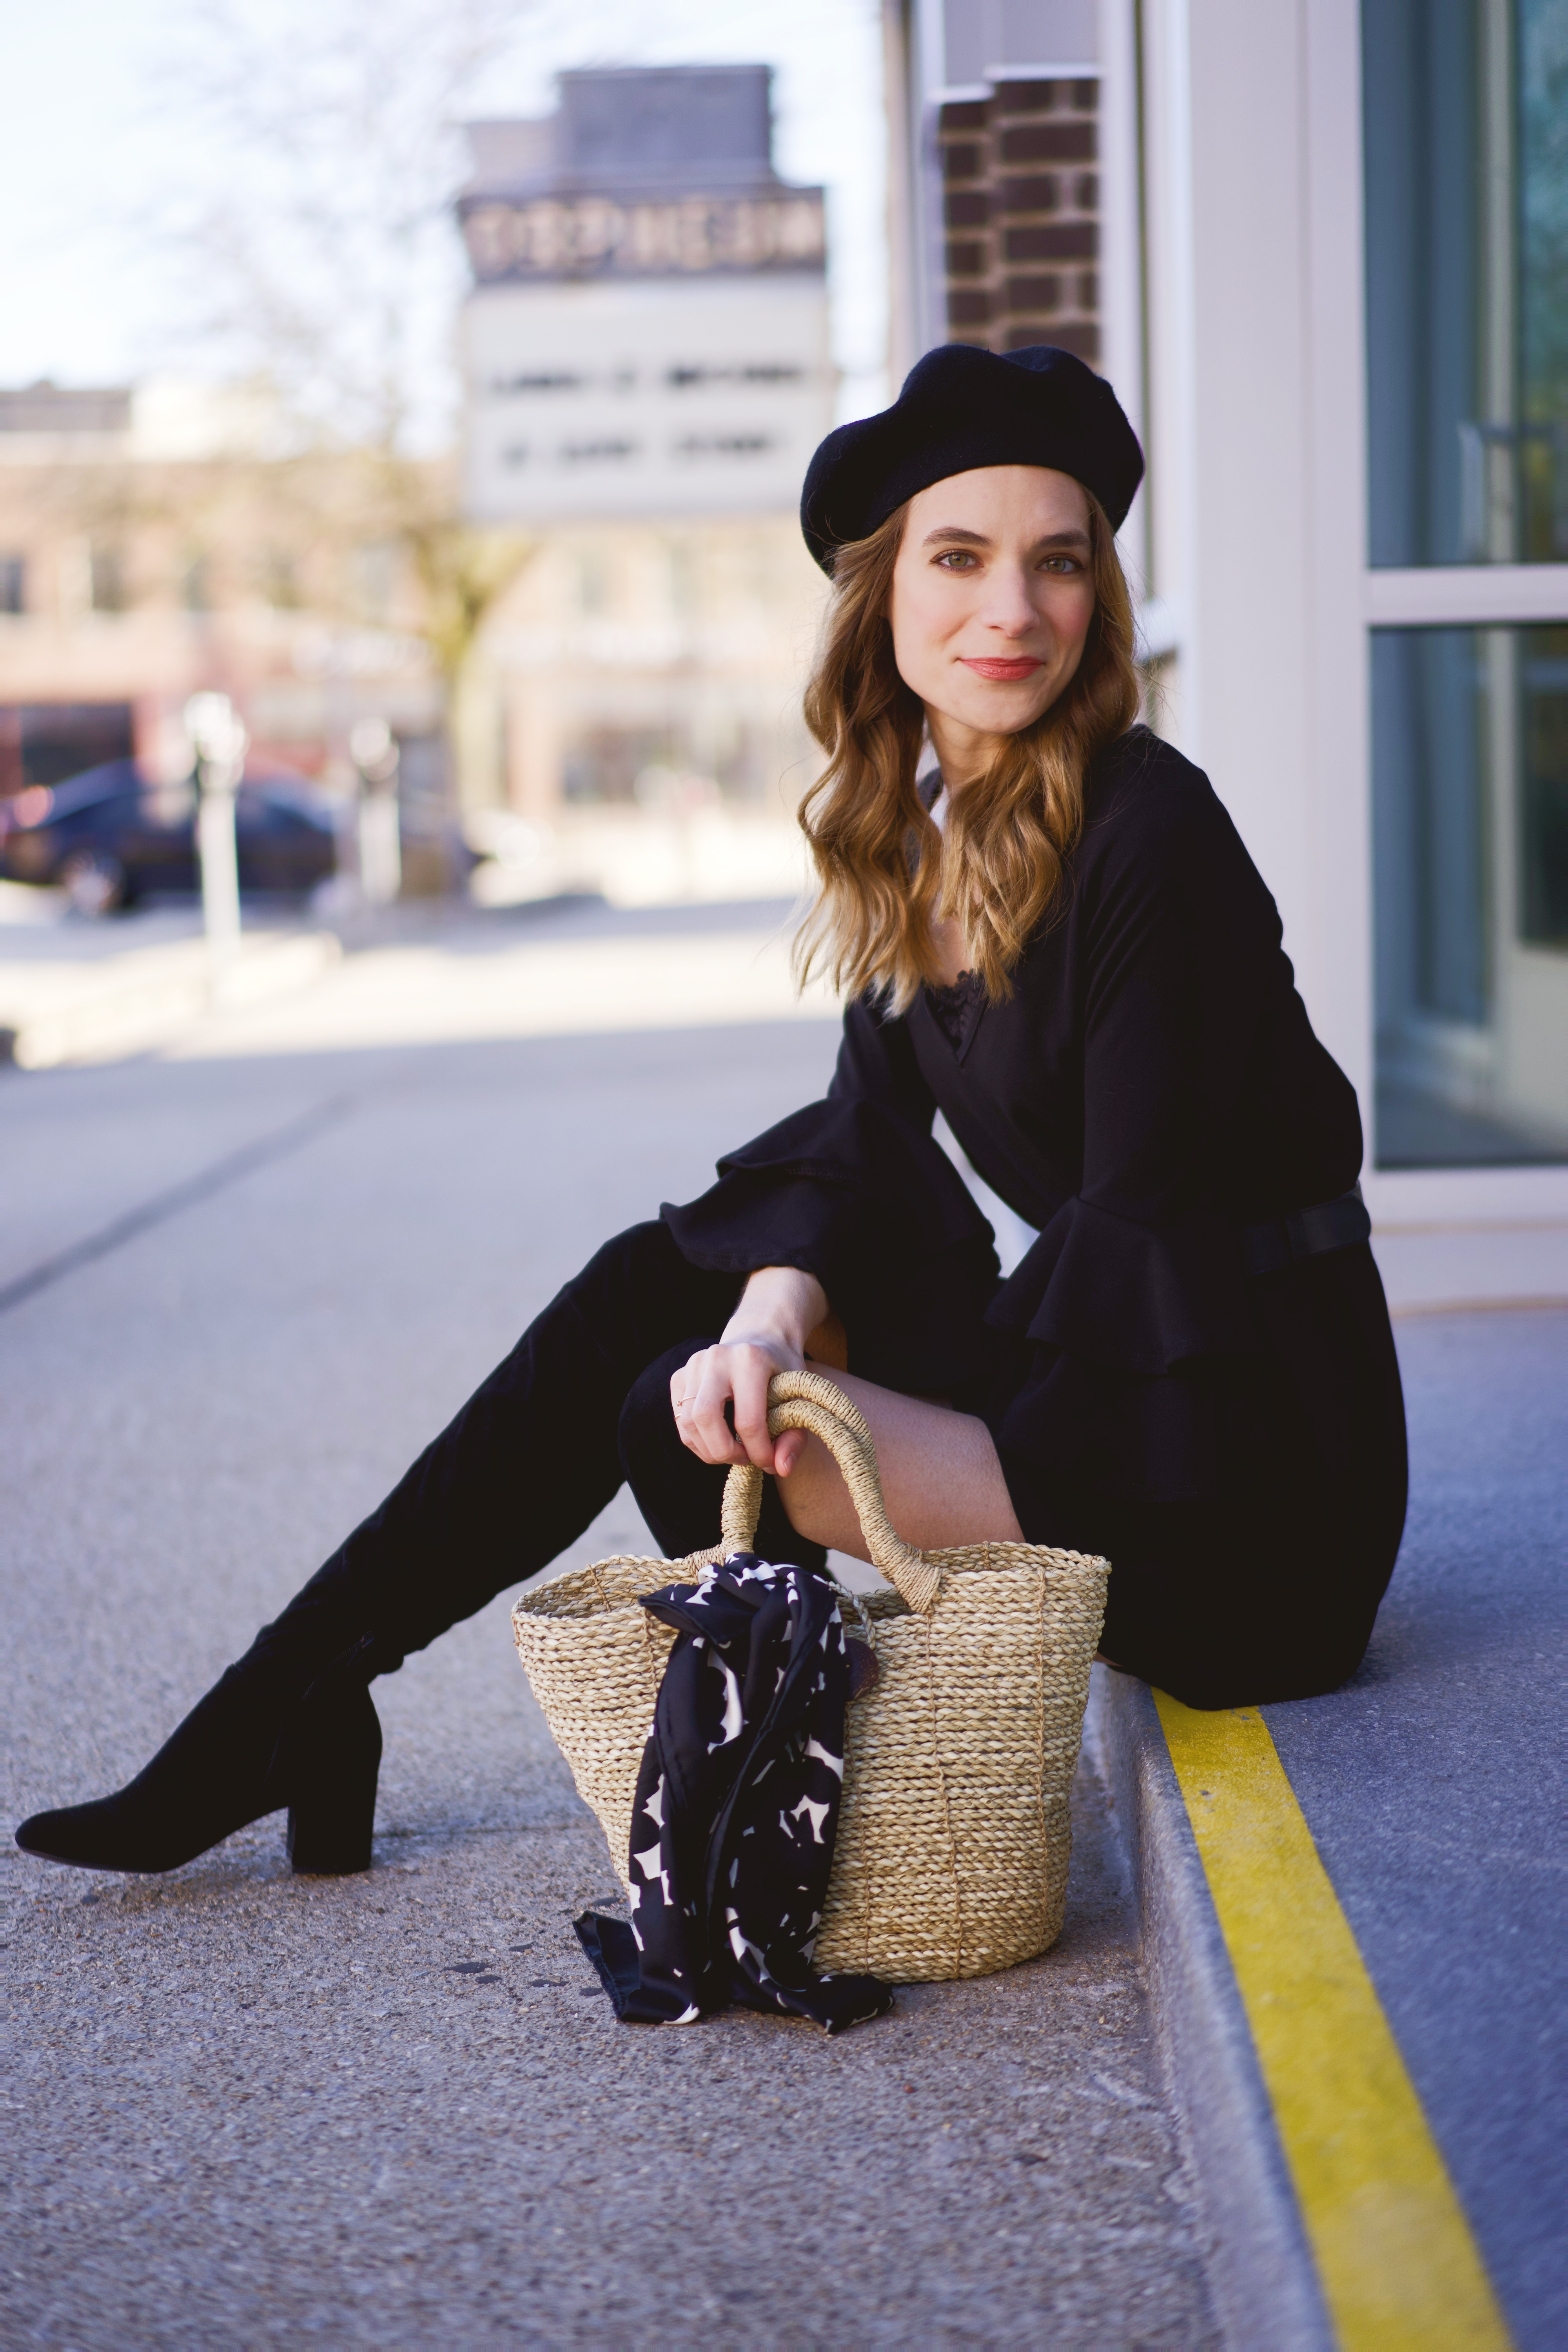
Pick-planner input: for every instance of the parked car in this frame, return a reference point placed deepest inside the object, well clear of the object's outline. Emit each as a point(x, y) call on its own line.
point(114, 836)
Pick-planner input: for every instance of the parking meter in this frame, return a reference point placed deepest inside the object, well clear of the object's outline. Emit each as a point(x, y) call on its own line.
point(374, 749)
point(218, 740)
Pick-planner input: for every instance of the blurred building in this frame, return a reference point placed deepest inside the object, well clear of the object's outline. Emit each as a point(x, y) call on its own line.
point(647, 372)
point(160, 540)
point(1330, 251)
point(648, 330)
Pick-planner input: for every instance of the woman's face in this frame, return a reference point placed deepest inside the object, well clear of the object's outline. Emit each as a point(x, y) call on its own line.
point(993, 596)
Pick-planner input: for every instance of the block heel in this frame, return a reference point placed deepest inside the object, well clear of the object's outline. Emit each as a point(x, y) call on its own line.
point(332, 1773)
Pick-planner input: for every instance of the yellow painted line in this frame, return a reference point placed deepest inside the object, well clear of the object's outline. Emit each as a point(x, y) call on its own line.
point(1400, 2270)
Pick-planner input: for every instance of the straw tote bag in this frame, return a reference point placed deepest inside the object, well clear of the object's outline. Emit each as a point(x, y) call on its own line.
point(955, 1830)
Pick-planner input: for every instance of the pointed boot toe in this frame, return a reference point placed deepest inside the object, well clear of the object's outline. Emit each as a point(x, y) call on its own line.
point(66, 1834)
point(103, 1835)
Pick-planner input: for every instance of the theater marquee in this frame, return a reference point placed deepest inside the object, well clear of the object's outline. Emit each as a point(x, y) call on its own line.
point(595, 235)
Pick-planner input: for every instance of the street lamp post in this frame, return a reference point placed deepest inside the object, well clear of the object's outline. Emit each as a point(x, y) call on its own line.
point(218, 739)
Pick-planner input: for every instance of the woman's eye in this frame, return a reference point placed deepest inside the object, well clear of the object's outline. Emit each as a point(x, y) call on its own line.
point(1067, 564)
point(956, 559)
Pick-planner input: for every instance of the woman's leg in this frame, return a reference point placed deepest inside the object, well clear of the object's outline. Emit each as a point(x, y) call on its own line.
point(1242, 1598)
point(1264, 1589)
point(526, 1465)
point(940, 1476)
point(522, 1470)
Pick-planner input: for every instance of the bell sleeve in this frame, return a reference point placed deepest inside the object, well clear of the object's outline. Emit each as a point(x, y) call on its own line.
point(1140, 1270)
point(856, 1190)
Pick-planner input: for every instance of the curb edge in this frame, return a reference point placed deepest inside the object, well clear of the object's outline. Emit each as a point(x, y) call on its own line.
point(1261, 2274)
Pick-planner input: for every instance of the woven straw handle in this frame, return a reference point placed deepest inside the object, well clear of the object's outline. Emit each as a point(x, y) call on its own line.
point(806, 1401)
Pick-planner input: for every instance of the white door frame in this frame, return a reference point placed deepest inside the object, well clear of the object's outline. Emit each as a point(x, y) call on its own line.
point(1256, 417)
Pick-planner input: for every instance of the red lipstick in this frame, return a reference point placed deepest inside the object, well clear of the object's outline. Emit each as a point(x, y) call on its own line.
point(1004, 670)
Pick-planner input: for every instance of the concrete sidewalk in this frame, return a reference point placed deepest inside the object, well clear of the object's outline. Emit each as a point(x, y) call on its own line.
point(74, 991)
point(395, 2110)
point(427, 972)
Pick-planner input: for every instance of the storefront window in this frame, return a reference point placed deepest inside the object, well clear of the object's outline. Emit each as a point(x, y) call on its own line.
point(1470, 815)
point(1466, 223)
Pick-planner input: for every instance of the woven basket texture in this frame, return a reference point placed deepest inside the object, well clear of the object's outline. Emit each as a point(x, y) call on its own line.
point(955, 1831)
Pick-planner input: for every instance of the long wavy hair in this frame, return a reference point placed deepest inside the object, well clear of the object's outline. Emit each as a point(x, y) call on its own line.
point(885, 871)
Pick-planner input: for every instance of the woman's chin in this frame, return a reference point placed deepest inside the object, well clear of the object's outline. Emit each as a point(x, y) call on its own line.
point(1000, 709)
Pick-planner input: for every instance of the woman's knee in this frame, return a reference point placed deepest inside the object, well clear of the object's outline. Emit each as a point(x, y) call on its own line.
point(641, 1261)
point(638, 1292)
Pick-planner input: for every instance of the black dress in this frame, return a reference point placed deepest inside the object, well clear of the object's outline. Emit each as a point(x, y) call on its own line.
point(1151, 1090)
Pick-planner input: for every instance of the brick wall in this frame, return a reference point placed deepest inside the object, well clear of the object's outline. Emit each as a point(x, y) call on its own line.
point(1021, 216)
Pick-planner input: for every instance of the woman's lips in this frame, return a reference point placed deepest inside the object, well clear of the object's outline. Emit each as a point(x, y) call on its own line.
point(1024, 668)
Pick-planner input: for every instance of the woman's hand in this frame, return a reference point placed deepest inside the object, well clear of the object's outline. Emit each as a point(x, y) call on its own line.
point(767, 1334)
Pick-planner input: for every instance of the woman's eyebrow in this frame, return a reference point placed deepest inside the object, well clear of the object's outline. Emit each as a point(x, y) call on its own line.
point(954, 536)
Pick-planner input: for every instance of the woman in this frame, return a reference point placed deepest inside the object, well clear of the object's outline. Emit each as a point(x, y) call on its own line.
point(1058, 940)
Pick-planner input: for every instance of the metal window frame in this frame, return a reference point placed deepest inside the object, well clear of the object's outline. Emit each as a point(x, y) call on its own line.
point(1354, 597)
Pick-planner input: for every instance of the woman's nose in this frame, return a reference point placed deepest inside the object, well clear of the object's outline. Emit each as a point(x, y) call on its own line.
point(1011, 608)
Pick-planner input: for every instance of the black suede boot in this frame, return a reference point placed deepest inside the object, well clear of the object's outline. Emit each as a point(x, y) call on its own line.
point(515, 1478)
point(261, 1739)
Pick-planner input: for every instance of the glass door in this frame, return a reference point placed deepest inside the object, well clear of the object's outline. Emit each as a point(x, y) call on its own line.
point(1466, 129)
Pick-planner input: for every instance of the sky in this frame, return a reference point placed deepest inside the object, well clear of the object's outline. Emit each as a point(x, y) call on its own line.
point(93, 136)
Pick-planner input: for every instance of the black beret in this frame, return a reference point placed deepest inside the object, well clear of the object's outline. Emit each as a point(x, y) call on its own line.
point(961, 407)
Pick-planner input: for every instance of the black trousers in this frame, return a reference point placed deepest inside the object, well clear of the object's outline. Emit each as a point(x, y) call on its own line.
point(581, 1404)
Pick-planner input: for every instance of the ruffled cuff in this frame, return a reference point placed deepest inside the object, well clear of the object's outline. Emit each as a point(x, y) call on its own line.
point(754, 1217)
point(854, 1193)
point(1135, 1298)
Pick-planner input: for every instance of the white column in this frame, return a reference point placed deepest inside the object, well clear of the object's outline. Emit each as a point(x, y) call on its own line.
point(1253, 205)
point(1169, 391)
point(1337, 950)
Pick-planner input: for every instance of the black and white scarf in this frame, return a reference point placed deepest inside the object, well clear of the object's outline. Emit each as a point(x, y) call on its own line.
point(737, 1808)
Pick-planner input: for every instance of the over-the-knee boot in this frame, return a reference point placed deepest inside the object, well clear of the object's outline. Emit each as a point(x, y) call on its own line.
point(528, 1463)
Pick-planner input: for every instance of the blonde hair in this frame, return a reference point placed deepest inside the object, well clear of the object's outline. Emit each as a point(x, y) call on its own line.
point(885, 871)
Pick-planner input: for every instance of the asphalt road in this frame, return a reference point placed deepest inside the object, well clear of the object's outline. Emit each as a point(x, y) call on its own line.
point(394, 2110)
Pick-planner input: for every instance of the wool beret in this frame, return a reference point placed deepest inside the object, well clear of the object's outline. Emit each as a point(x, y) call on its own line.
point(961, 407)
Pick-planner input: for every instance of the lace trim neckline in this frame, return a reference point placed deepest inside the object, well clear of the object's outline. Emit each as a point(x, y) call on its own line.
point(954, 1007)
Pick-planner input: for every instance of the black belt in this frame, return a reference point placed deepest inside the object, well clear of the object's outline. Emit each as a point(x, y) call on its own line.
point(1306, 1233)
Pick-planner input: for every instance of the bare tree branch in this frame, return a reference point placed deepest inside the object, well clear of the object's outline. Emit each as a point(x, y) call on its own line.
point(325, 258)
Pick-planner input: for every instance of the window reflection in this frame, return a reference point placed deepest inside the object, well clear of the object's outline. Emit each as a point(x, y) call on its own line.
point(1467, 204)
point(1470, 815)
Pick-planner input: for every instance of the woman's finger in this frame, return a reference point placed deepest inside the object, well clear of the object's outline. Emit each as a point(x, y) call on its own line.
point(686, 1388)
point(687, 1379)
point(750, 1375)
point(704, 1428)
point(788, 1451)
